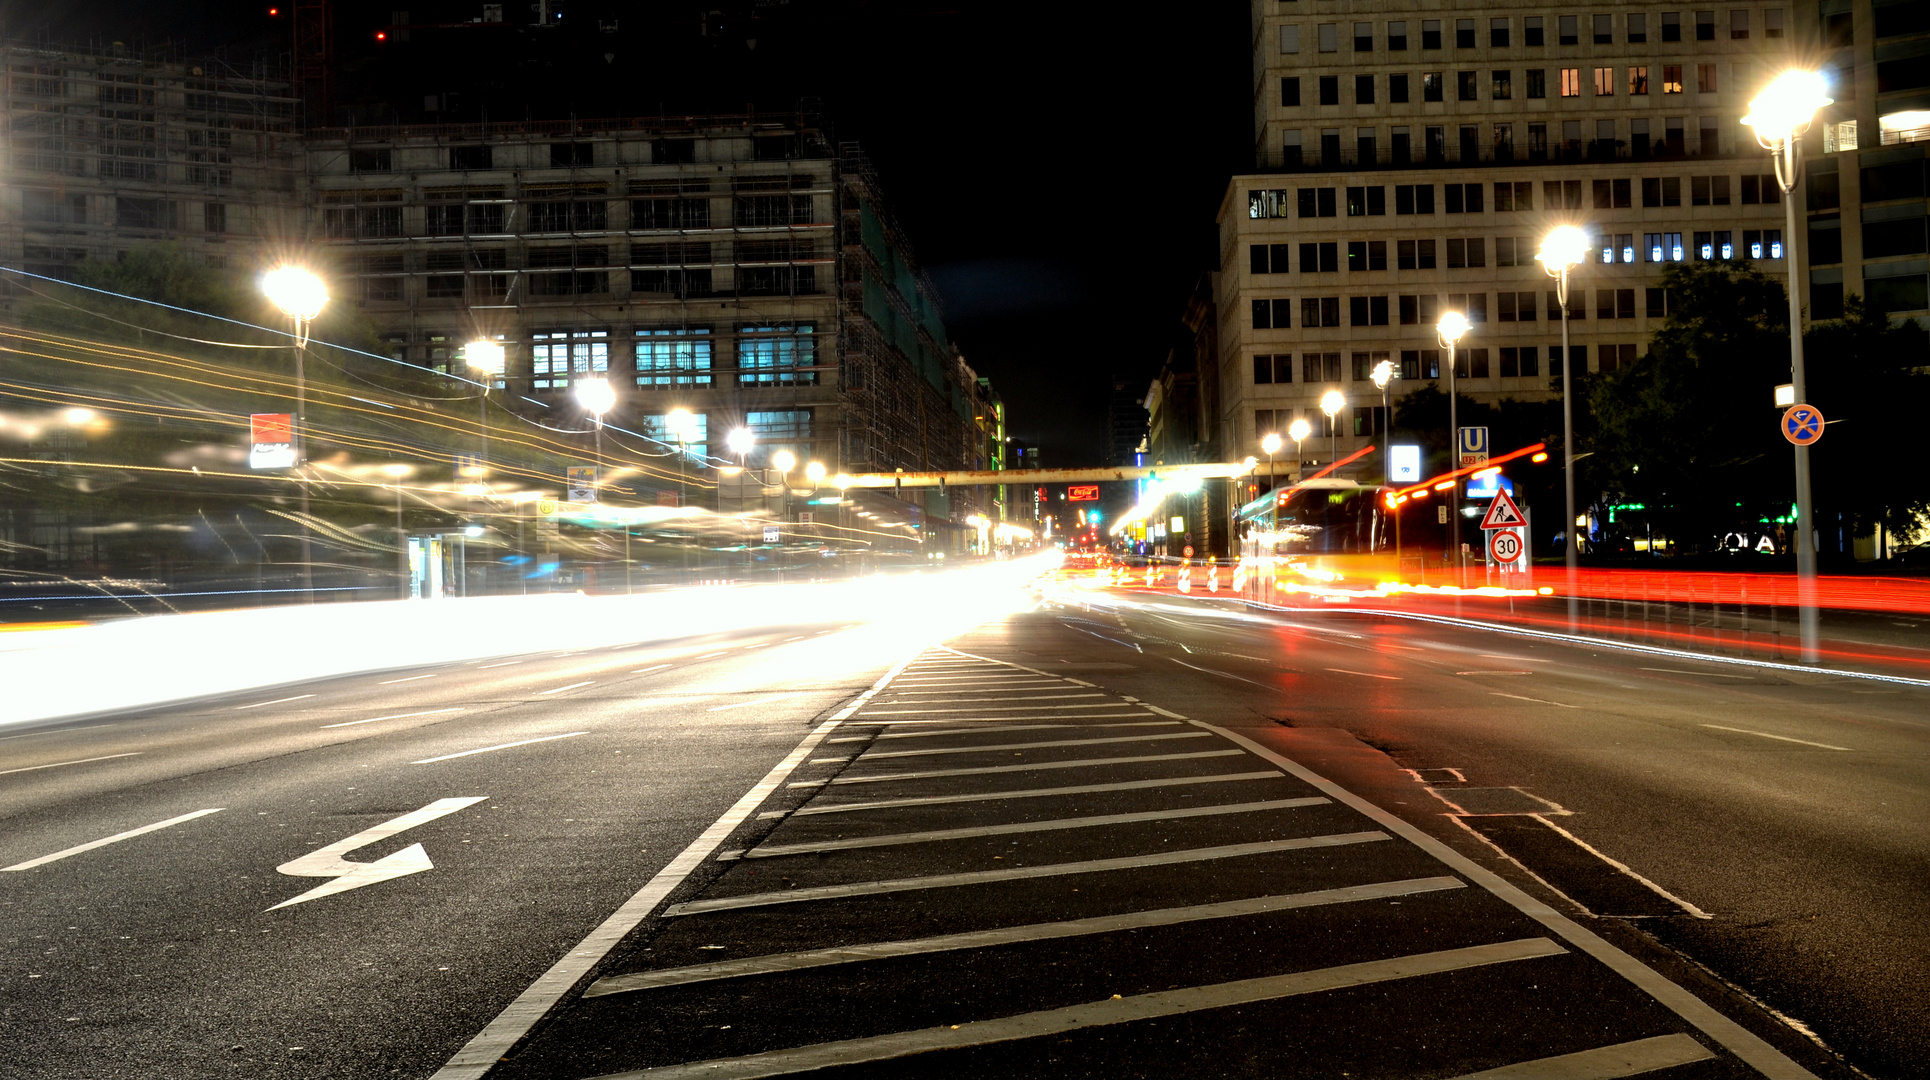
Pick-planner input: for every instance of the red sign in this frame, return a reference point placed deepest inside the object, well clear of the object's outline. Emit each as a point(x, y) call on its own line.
point(272, 427)
point(271, 441)
point(1502, 513)
point(1082, 493)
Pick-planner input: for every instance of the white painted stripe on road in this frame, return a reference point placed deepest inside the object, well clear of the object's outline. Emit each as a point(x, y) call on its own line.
point(572, 686)
point(412, 678)
point(947, 695)
point(980, 939)
point(927, 711)
point(1017, 873)
point(1536, 700)
point(58, 764)
point(1605, 1062)
point(1221, 674)
point(880, 755)
point(771, 851)
point(1621, 866)
point(396, 716)
point(1099, 1013)
point(1004, 728)
point(488, 1047)
point(859, 720)
point(1366, 674)
point(756, 701)
point(1025, 793)
point(114, 839)
point(1778, 738)
point(277, 701)
point(648, 670)
point(1706, 674)
point(1037, 767)
point(492, 749)
point(505, 663)
point(710, 655)
point(980, 680)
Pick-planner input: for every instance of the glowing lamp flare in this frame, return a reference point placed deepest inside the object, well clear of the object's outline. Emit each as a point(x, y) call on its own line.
point(1565, 246)
point(815, 471)
point(596, 395)
point(300, 294)
point(740, 441)
point(485, 356)
point(1332, 401)
point(1271, 444)
point(1299, 429)
point(1452, 326)
point(784, 461)
point(1787, 105)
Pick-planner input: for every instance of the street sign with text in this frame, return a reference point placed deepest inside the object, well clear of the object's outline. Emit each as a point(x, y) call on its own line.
point(1473, 447)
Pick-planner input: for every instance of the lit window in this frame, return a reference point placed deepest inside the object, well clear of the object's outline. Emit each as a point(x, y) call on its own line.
point(777, 356)
point(674, 357)
point(556, 355)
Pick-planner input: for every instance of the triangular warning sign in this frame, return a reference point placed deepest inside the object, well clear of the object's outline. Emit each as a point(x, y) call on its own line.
point(1502, 513)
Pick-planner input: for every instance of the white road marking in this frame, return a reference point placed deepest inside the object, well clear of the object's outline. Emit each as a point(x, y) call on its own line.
point(505, 746)
point(710, 655)
point(277, 701)
point(1536, 700)
point(1008, 727)
point(927, 710)
point(648, 670)
point(1605, 1062)
point(1084, 1017)
point(1036, 767)
point(1221, 674)
point(412, 678)
point(114, 839)
point(770, 851)
point(396, 716)
point(980, 939)
point(756, 701)
point(483, 1052)
point(1514, 659)
point(1013, 719)
point(1024, 793)
point(572, 686)
point(1621, 866)
point(1018, 873)
point(505, 663)
point(58, 764)
point(788, 640)
point(1365, 674)
point(876, 755)
point(328, 862)
point(1778, 738)
point(1708, 674)
point(906, 696)
point(52, 731)
point(981, 680)
point(1494, 671)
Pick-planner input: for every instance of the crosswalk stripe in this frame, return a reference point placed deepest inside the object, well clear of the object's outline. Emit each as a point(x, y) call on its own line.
point(1028, 793)
point(1116, 1011)
point(927, 709)
point(1604, 1062)
point(980, 939)
point(1017, 873)
point(770, 851)
point(880, 755)
point(1010, 719)
point(1082, 763)
point(983, 730)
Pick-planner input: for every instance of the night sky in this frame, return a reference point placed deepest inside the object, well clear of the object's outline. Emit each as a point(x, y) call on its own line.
point(1057, 166)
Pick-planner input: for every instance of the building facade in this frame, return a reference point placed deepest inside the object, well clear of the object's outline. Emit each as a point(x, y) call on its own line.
point(1409, 161)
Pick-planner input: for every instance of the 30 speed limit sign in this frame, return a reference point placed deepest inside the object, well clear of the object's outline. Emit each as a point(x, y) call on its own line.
point(1504, 545)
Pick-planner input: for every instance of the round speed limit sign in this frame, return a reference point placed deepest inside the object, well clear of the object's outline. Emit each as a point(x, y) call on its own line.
point(1504, 545)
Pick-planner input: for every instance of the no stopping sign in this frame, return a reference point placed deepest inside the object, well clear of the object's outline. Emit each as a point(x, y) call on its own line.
point(1504, 545)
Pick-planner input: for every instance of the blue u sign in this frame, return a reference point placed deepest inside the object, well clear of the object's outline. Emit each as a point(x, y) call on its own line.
point(1474, 440)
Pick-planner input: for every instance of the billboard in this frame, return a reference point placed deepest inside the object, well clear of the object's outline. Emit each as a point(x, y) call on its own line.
point(271, 441)
point(1082, 493)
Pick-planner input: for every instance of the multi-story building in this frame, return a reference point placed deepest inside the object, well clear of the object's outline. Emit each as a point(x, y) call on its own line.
point(1409, 161)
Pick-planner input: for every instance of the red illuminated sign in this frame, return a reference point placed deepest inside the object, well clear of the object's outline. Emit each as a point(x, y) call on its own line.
point(1082, 493)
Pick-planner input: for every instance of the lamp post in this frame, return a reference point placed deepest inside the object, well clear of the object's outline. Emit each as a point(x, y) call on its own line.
point(783, 461)
point(1780, 115)
point(1271, 445)
point(301, 296)
point(487, 357)
point(1562, 249)
point(1298, 432)
point(740, 440)
point(396, 472)
point(597, 397)
point(1450, 329)
point(680, 422)
point(1331, 403)
point(1384, 375)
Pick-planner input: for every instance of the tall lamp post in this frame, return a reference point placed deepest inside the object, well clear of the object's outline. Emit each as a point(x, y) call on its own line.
point(488, 359)
point(1331, 403)
point(1561, 250)
point(1780, 115)
point(597, 397)
point(301, 296)
point(1270, 443)
point(680, 422)
point(1451, 328)
point(783, 461)
point(1298, 432)
point(1384, 375)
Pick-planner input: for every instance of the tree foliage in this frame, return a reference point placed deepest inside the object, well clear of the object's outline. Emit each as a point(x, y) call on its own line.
point(1867, 375)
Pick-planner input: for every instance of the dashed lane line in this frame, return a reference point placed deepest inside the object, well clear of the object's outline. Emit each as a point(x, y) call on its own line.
point(771, 851)
point(277, 701)
point(1116, 1011)
point(1704, 674)
point(505, 663)
point(393, 716)
point(1778, 738)
point(1030, 767)
point(1022, 793)
point(412, 678)
point(947, 695)
point(77, 761)
point(504, 746)
point(1365, 674)
point(1008, 727)
point(981, 939)
point(928, 710)
point(989, 748)
point(1536, 700)
point(572, 686)
point(648, 670)
point(1604, 1062)
point(711, 655)
point(1017, 873)
point(114, 839)
point(757, 701)
point(1010, 719)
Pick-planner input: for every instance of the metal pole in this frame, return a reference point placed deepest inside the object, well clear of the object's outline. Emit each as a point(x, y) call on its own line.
point(401, 541)
point(1454, 462)
point(1787, 178)
point(1273, 498)
point(301, 456)
point(598, 487)
point(1569, 553)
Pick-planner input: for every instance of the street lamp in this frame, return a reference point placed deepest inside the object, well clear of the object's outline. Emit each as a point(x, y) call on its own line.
point(489, 359)
point(1561, 250)
point(1331, 403)
point(1780, 115)
point(396, 471)
point(1384, 375)
point(597, 397)
point(1298, 432)
point(301, 296)
point(740, 441)
point(1452, 326)
point(1270, 444)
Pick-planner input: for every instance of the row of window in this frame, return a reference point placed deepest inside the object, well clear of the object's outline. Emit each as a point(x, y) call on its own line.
point(576, 155)
point(1569, 30)
point(1881, 239)
point(765, 355)
point(1507, 362)
point(1573, 140)
point(1426, 309)
point(368, 220)
point(1667, 78)
point(1509, 196)
point(492, 289)
point(1471, 252)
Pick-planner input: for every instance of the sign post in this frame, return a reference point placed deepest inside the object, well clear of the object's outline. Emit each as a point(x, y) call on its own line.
point(1507, 534)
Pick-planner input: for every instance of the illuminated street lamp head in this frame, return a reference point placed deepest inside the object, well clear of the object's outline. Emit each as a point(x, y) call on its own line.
point(1452, 326)
point(1384, 373)
point(596, 395)
point(680, 422)
point(1270, 444)
point(1332, 402)
point(485, 356)
point(298, 293)
point(815, 471)
point(1299, 429)
point(1565, 246)
point(784, 461)
point(1786, 106)
point(740, 441)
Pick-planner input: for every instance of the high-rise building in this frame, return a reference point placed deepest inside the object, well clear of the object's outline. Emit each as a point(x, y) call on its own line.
point(1408, 163)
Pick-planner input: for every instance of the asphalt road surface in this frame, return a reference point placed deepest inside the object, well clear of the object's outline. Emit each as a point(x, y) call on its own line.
point(1100, 839)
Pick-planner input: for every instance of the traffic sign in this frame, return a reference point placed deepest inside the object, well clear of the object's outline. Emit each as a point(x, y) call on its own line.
point(1802, 424)
point(1503, 513)
point(1504, 545)
point(1473, 446)
point(770, 534)
point(1187, 551)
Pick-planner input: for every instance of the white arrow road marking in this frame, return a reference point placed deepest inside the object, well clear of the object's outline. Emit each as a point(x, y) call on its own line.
point(328, 861)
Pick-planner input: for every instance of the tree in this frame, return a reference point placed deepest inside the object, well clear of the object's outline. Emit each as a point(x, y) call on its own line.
point(1686, 429)
point(1866, 374)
